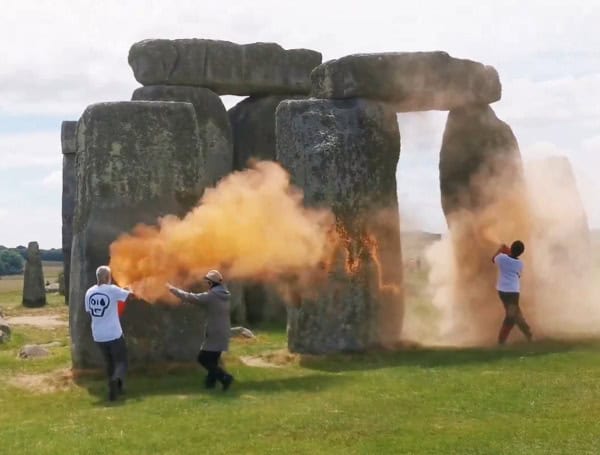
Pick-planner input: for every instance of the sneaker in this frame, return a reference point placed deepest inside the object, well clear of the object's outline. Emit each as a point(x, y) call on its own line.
point(227, 381)
point(113, 389)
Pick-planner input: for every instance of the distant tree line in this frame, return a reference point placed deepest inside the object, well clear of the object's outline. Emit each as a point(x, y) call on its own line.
point(12, 260)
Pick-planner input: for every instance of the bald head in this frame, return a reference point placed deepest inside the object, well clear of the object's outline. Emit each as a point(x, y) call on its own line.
point(103, 274)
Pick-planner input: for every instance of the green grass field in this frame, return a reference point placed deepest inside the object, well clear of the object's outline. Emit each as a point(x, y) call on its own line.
point(542, 398)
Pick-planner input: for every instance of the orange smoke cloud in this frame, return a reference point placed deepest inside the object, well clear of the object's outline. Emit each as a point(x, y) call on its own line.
point(252, 225)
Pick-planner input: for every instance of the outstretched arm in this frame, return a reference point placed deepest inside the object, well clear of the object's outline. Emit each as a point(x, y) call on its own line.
point(188, 296)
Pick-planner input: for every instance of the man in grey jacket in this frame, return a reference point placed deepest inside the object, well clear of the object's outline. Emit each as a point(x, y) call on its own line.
point(217, 329)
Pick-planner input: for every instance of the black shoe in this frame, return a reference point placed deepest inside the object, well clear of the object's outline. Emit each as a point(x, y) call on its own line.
point(113, 389)
point(227, 381)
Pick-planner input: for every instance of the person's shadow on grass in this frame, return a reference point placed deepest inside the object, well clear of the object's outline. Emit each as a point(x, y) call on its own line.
point(189, 384)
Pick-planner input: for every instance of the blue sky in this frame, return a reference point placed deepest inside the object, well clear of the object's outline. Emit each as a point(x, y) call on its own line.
point(60, 56)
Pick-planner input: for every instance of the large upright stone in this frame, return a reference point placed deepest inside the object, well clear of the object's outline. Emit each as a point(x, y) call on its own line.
point(343, 154)
point(566, 304)
point(485, 204)
point(136, 161)
point(213, 123)
point(413, 81)
point(68, 196)
point(253, 124)
point(224, 67)
point(34, 290)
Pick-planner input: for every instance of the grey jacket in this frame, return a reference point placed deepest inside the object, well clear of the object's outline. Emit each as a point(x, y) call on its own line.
point(218, 325)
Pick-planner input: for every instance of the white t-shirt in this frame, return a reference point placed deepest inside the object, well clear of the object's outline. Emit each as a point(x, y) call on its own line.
point(509, 273)
point(101, 302)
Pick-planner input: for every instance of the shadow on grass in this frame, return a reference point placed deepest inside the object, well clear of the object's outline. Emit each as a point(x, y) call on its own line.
point(190, 383)
point(437, 358)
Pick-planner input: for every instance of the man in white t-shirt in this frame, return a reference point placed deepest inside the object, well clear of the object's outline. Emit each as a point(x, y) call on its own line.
point(102, 303)
point(509, 288)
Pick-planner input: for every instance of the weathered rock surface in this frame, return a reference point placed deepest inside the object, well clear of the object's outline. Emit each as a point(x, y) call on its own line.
point(213, 123)
point(69, 146)
point(253, 124)
point(413, 81)
point(485, 204)
point(33, 351)
point(34, 292)
point(343, 154)
point(136, 161)
point(224, 67)
point(476, 146)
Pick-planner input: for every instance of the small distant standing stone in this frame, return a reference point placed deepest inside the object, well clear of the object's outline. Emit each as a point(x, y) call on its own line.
point(34, 291)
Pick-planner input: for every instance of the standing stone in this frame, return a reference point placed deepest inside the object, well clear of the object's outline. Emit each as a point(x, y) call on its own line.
point(213, 123)
point(136, 161)
point(68, 196)
point(253, 124)
point(224, 67)
point(485, 204)
point(563, 261)
point(413, 81)
point(344, 154)
point(34, 291)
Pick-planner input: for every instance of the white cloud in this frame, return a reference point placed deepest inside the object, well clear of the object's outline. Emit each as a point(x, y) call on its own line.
point(42, 224)
point(58, 56)
point(22, 150)
point(52, 180)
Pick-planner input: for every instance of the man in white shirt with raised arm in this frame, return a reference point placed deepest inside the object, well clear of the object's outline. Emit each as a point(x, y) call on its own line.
point(509, 288)
point(101, 302)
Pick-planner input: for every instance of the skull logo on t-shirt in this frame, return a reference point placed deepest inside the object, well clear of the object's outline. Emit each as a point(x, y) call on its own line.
point(98, 304)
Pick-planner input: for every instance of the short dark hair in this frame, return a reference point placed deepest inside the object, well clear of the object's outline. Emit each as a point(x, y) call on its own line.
point(517, 248)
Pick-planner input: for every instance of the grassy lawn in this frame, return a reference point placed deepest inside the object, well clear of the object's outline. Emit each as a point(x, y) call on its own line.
point(530, 399)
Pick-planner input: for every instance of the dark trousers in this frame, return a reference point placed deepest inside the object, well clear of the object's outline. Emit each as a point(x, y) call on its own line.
point(115, 356)
point(510, 300)
point(210, 361)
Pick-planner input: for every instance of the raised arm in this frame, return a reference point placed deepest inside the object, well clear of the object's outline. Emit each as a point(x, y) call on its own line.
point(188, 296)
point(501, 249)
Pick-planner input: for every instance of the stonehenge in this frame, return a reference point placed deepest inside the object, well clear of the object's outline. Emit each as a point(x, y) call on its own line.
point(333, 127)
point(34, 289)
